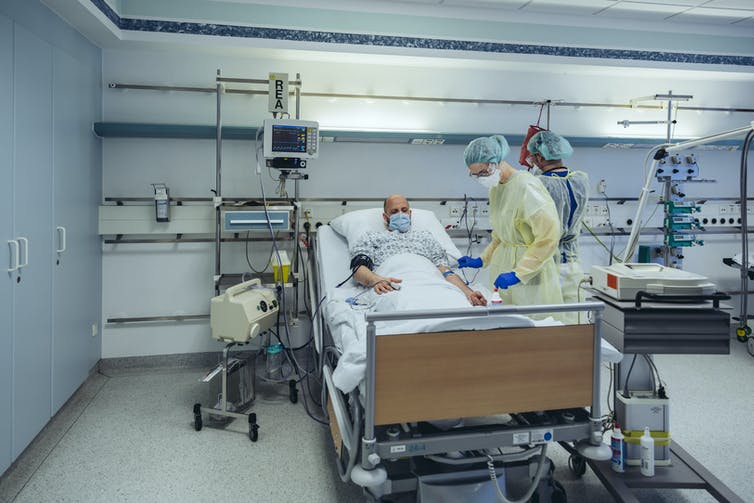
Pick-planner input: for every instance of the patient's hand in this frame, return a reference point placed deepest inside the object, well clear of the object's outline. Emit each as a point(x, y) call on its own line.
point(384, 286)
point(476, 298)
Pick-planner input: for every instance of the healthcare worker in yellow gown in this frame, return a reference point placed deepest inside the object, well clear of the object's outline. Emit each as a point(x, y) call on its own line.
point(525, 228)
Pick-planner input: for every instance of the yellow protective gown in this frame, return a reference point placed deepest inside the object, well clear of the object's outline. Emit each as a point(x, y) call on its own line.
point(525, 236)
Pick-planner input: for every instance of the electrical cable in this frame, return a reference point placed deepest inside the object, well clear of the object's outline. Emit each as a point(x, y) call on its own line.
point(628, 376)
point(651, 373)
point(248, 259)
point(534, 484)
point(599, 241)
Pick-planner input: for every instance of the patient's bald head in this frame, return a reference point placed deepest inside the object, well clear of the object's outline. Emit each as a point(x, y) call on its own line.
point(395, 203)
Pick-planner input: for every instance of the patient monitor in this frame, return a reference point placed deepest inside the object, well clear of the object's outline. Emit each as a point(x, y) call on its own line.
point(243, 311)
point(291, 138)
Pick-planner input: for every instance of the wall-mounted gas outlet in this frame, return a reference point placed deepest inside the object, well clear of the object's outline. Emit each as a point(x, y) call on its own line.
point(95, 330)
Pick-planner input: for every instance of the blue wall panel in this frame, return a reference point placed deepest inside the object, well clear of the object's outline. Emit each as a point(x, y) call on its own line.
point(32, 341)
point(75, 351)
point(6, 233)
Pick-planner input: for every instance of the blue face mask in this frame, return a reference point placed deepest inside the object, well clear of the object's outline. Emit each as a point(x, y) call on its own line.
point(400, 222)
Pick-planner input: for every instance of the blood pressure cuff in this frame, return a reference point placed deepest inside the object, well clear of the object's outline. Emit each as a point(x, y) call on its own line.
point(361, 260)
point(524, 151)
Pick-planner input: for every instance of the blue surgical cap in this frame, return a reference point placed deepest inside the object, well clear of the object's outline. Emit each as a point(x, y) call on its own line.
point(550, 145)
point(486, 149)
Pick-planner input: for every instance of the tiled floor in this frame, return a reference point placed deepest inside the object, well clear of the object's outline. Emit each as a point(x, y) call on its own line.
point(129, 437)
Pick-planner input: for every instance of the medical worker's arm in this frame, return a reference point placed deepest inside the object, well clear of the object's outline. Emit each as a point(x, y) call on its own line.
point(475, 297)
point(540, 215)
point(368, 278)
point(487, 253)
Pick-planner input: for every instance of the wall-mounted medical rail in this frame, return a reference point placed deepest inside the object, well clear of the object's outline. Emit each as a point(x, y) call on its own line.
point(475, 101)
point(153, 319)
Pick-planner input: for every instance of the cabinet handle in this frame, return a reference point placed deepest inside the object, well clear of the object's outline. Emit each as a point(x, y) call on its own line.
point(61, 238)
point(26, 252)
point(12, 243)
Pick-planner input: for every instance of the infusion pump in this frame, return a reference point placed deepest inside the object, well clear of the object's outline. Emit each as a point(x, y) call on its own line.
point(291, 138)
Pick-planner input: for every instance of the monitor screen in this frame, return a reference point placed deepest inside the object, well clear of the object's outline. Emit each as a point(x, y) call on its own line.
point(290, 138)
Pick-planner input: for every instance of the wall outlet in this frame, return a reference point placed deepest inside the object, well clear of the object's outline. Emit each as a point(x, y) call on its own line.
point(95, 330)
point(454, 211)
point(485, 211)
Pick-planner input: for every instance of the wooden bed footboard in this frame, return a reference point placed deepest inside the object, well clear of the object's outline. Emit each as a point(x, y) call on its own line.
point(443, 375)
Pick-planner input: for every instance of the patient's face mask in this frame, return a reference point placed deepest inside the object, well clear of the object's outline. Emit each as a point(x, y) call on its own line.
point(490, 178)
point(400, 222)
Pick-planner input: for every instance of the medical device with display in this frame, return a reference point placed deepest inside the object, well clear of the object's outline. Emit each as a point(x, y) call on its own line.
point(291, 138)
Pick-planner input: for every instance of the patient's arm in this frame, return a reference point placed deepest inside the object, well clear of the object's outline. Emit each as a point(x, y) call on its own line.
point(474, 297)
point(368, 278)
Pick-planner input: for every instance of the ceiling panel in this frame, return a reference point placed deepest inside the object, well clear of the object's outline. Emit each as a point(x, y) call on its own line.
point(573, 7)
point(488, 4)
point(731, 4)
point(713, 16)
point(647, 12)
point(684, 3)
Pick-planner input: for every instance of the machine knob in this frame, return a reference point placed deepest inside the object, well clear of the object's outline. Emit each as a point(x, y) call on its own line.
point(263, 306)
point(374, 458)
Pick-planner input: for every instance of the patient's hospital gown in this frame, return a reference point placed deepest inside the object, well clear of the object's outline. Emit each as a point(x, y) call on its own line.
point(525, 235)
point(379, 246)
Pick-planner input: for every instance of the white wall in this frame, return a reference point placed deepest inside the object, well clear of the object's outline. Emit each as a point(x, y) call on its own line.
point(164, 279)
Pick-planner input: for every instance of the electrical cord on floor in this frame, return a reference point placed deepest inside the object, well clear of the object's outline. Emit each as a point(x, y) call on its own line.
point(534, 483)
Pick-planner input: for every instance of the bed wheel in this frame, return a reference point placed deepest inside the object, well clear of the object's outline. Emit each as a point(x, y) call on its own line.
point(198, 417)
point(577, 464)
point(253, 427)
point(292, 391)
point(558, 492)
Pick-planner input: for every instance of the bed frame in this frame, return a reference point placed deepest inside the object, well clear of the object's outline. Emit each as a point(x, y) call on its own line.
point(442, 375)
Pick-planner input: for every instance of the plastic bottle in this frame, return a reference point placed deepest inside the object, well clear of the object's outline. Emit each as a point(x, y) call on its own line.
point(618, 445)
point(647, 454)
point(495, 299)
point(274, 365)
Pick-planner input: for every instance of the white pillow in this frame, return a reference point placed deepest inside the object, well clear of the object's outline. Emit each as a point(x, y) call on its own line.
point(354, 224)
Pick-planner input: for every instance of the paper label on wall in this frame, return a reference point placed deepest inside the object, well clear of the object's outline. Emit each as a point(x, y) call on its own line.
point(277, 98)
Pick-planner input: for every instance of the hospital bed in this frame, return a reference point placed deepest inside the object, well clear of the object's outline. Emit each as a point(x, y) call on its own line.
point(516, 384)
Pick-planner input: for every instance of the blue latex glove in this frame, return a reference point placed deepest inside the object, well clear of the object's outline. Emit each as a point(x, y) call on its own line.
point(466, 261)
point(506, 279)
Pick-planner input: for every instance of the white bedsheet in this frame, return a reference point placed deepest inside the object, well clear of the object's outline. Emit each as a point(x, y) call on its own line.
point(423, 287)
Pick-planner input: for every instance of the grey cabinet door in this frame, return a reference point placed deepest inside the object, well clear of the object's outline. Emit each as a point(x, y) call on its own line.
point(32, 336)
point(6, 233)
point(76, 299)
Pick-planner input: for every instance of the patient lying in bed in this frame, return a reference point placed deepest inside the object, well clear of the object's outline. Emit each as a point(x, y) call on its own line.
point(374, 248)
point(422, 287)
